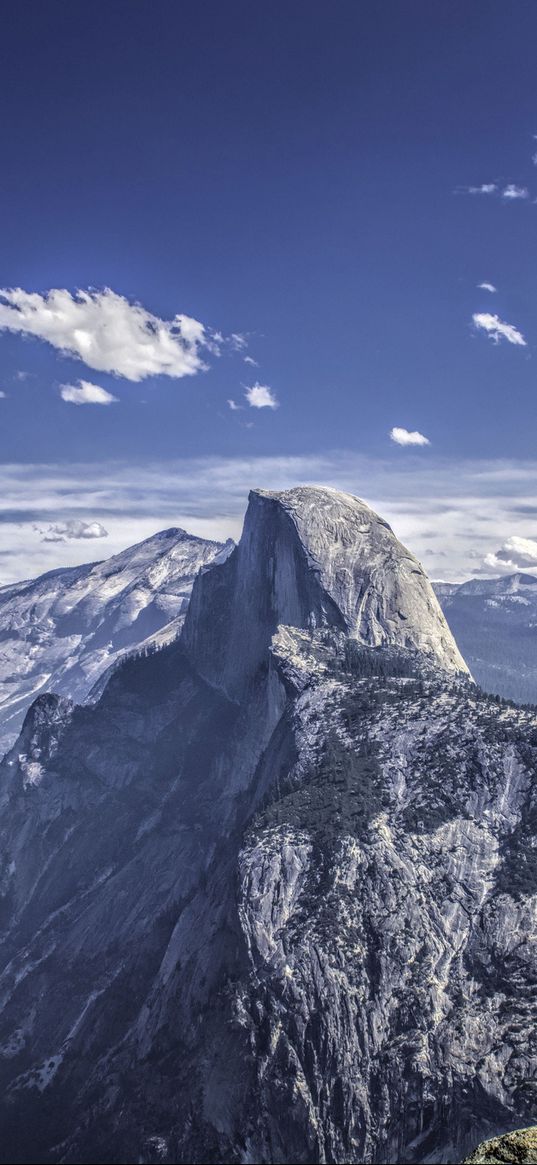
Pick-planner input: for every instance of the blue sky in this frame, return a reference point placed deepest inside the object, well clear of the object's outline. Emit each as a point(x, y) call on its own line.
point(304, 182)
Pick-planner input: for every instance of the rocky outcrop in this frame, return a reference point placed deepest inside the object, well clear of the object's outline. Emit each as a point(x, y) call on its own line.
point(282, 912)
point(518, 1148)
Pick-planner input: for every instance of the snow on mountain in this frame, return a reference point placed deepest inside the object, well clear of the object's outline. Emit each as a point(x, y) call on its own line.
point(62, 631)
point(272, 897)
point(495, 624)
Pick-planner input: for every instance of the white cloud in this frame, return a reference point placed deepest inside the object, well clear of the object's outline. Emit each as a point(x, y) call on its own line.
point(487, 287)
point(64, 531)
point(260, 396)
point(250, 360)
point(86, 394)
point(512, 191)
point(238, 341)
point(497, 329)
point(3, 394)
point(404, 437)
point(108, 332)
point(485, 188)
point(233, 406)
point(516, 554)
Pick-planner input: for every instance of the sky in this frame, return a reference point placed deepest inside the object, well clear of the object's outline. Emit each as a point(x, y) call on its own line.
point(261, 244)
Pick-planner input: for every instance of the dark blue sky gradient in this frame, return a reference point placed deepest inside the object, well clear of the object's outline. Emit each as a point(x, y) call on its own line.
point(287, 171)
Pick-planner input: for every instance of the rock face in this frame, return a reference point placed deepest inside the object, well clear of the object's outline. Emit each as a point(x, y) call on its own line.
point(61, 632)
point(273, 897)
point(313, 558)
point(518, 1148)
point(495, 624)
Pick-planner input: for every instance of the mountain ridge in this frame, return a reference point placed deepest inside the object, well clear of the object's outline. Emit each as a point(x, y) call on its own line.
point(67, 627)
point(495, 624)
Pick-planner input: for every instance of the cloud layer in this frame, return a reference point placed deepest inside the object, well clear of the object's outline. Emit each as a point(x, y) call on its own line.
point(108, 332)
point(452, 513)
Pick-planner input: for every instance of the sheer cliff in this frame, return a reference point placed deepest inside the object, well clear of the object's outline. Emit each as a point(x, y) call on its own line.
point(272, 898)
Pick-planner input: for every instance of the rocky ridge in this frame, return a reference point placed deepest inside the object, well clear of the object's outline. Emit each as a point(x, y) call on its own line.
point(518, 1148)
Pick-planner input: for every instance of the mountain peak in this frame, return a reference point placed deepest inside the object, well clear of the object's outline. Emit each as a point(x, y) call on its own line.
point(312, 557)
point(75, 623)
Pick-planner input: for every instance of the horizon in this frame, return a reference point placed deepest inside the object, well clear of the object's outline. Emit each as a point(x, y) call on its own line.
point(190, 530)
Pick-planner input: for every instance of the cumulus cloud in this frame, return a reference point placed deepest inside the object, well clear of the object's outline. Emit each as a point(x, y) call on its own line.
point(497, 329)
point(404, 437)
point(250, 360)
point(107, 332)
point(260, 396)
point(64, 531)
point(86, 393)
point(512, 191)
point(233, 406)
point(487, 287)
point(515, 554)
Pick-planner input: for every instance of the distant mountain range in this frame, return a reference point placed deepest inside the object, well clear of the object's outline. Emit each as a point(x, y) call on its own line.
point(62, 631)
point(494, 622)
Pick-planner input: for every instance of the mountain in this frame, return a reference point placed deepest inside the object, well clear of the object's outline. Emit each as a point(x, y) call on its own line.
point(272, 897)
point(61, 632)
point(495, 624)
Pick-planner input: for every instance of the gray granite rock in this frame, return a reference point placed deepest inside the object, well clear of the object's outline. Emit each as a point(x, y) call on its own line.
point(518, 1148)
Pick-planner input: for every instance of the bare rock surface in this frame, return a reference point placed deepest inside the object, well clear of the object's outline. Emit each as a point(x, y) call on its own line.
point(518, 1148)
